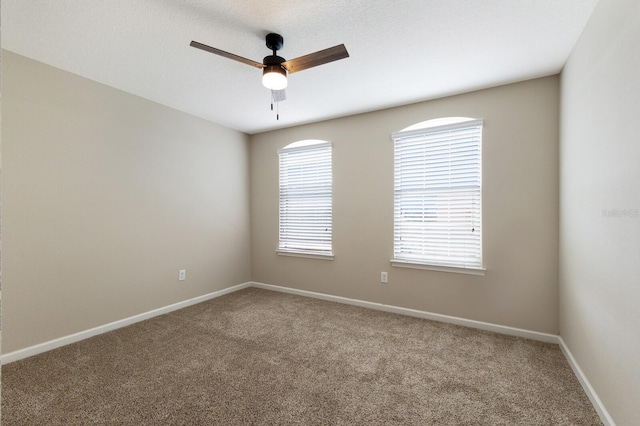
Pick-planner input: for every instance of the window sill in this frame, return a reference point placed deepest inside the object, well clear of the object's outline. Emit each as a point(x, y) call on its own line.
point(439, 268)
point(319, 256)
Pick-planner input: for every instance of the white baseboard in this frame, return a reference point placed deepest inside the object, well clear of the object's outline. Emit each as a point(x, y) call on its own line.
point(502, 329)
point(76, 337)
point(588, 389)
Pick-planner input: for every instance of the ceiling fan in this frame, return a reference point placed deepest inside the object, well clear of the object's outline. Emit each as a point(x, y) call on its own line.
point(275, 68)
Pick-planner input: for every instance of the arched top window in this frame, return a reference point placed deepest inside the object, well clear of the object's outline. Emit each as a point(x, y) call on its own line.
point(435, 122)
point(306, 143)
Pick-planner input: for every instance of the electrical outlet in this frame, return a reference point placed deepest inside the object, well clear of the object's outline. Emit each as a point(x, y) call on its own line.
point(384, 277)
point(182, 274)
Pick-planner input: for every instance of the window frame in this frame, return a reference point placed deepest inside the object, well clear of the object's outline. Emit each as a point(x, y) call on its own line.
point(286, 247)
point(427, 131)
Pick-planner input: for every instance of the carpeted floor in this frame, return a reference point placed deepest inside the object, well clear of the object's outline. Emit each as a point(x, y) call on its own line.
point(267, 358)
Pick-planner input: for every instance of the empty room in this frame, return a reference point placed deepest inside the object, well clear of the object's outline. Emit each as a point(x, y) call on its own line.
point(421, 212)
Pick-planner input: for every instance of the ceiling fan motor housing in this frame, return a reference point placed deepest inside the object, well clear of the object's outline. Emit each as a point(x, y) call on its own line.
point(274, 75)
point(273, 60)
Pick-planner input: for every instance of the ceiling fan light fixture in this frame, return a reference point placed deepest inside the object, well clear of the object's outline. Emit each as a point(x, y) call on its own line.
point(274, 77)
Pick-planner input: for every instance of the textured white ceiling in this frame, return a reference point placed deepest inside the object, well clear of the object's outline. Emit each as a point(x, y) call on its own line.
point(402, 51)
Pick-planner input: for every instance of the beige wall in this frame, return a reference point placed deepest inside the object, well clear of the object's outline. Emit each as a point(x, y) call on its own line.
point(105, 196)
point(520, 161)
point(600, 170)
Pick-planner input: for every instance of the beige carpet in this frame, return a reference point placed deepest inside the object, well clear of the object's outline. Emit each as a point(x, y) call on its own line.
point(261, 357)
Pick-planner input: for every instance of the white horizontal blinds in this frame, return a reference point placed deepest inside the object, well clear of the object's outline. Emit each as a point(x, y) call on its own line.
point(437, 202)
point(305, 199)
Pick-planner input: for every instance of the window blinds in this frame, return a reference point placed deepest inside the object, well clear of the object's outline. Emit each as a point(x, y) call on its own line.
point(305, 199)
point(438, 195)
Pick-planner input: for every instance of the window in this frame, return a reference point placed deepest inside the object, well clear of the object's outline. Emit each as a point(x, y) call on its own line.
point(305, 199)
point(438, 196)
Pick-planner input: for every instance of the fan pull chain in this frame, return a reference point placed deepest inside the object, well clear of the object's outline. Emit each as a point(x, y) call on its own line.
point(274, 100)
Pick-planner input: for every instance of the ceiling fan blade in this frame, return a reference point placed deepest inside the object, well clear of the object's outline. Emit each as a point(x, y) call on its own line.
point(318, 58)
point(225, 54)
